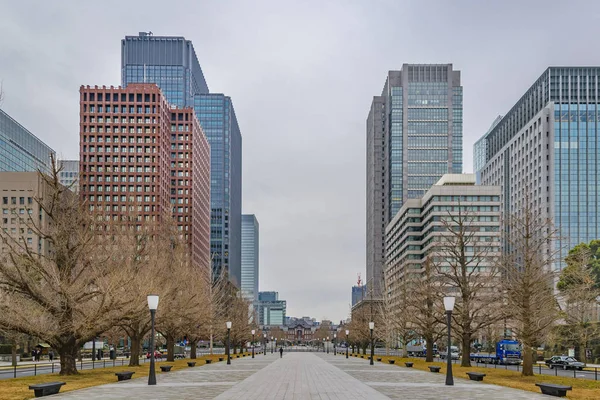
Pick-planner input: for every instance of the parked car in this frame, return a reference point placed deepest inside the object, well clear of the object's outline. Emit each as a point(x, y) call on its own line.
point(565, 362)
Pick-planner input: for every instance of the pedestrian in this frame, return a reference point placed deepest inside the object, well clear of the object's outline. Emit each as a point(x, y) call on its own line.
point(51, 355)
point(281, 352)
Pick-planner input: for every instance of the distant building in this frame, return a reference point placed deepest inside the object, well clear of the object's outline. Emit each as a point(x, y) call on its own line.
point(270, 310)
point(480, 150)
point(358, 293)
point(21, 150)
point(69, 174)
point(250, 266)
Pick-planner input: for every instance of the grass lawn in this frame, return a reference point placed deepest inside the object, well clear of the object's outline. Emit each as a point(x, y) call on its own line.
point(583, 389)
point(18, 388)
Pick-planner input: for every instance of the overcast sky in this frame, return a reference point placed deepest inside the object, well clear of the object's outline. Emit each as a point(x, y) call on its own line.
point(301, 75)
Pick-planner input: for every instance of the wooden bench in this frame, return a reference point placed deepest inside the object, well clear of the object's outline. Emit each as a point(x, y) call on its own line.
point(553, 390)
point(391, 361)
point(191, 363)
point(408, 364)
point(165, 368)
point(208, 361)
point(476, 376)
point(124, 375)
point(434, 368)
point(46, 389)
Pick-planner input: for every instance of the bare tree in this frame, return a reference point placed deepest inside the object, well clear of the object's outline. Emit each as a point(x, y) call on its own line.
point(425, 305)
point(467, 265)
point(528, 279)
point(69, 293)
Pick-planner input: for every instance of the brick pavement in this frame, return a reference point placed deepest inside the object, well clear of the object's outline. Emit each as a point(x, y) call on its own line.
point(299, 376)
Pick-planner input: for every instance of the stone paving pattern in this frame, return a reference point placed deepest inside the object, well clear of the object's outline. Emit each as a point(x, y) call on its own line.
point(299, 376)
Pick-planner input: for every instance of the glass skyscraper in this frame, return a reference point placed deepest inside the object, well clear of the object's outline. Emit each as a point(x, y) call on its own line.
point(250, 257)
point(414, 136)
point(171, 63)
point(544, 154)
point(21, 150)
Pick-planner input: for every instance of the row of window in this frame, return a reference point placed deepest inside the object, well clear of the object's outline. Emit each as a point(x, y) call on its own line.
point(13, 200)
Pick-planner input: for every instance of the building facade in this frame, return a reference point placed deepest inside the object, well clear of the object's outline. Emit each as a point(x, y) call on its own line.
point(69, 174)
point(417, 232)
point(544, 154)
point(172, 64)
point(358, 294)
point(480, 150)
point(20, 193)
point(190, 184)
point(21, 150)
point(250, 267)
point(270, 310)
point(168, 61)
point(414, 136)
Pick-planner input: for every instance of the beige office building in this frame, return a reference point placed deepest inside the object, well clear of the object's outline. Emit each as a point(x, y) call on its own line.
point(417, 230)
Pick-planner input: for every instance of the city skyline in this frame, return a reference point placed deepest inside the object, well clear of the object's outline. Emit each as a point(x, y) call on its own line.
point(282, 90)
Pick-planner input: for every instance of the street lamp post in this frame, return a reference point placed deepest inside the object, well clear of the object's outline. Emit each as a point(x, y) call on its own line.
point(334, 350)
point(371, 327)
point(347, 343)
point(275, 344)
point(449, 306)
point(228, 324)
point(323, 345)
point(271, 344)
point(327, 344)
point(152, 305)
point(253, 332)
point(265, 343)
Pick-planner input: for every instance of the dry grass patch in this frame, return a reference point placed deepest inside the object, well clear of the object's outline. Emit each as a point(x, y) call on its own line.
point(18, 388)
point(583, 389)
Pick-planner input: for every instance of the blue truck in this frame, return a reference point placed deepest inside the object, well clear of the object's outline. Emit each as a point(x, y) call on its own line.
point(507, 352)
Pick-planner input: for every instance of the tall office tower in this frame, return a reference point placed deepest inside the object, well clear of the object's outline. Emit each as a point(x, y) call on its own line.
point(190, 184)
point(21, 150)
point(171, 63)
point(480, 149)
point(124, 150)
point(271, 310)
point(69, 174)
point(414, 136)
point(544, 154)
point(250, 257)
point(168, 61)
point(358, 294)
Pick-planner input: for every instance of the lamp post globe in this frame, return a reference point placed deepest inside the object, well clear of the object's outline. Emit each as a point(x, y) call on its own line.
point(371, 327)
point(347, 343)
point(228, 325)
point(449, 306)
point(152, 305)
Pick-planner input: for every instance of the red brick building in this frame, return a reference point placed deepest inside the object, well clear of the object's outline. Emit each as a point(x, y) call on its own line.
point(138, 155)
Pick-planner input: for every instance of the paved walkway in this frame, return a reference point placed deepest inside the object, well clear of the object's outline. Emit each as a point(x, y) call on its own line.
point(299, 376)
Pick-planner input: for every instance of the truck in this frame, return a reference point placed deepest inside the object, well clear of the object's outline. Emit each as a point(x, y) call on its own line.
point(454, 353)
point(507, 352)
point(419, 350)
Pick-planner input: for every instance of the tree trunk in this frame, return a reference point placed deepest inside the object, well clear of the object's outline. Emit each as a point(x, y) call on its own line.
point(134, 356)
point(14, 353)
point(466, 350)
point(404, 349)
point(193, 347)
point(170, 347)
point(429, 351)
point(211, 341)
point(527, 361)
point(68, 358)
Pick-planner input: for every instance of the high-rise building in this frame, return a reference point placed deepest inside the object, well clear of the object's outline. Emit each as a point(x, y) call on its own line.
point(544, 154)
point(250, 257)
point(21, 150)
point(140, 156)
point(172, 64)
point(271, 310)
point(358, 294)
point(418, 231)
point(69, 174)
point(168, 61)
point(190, 183)
point(414, 136)
point(480, 149)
